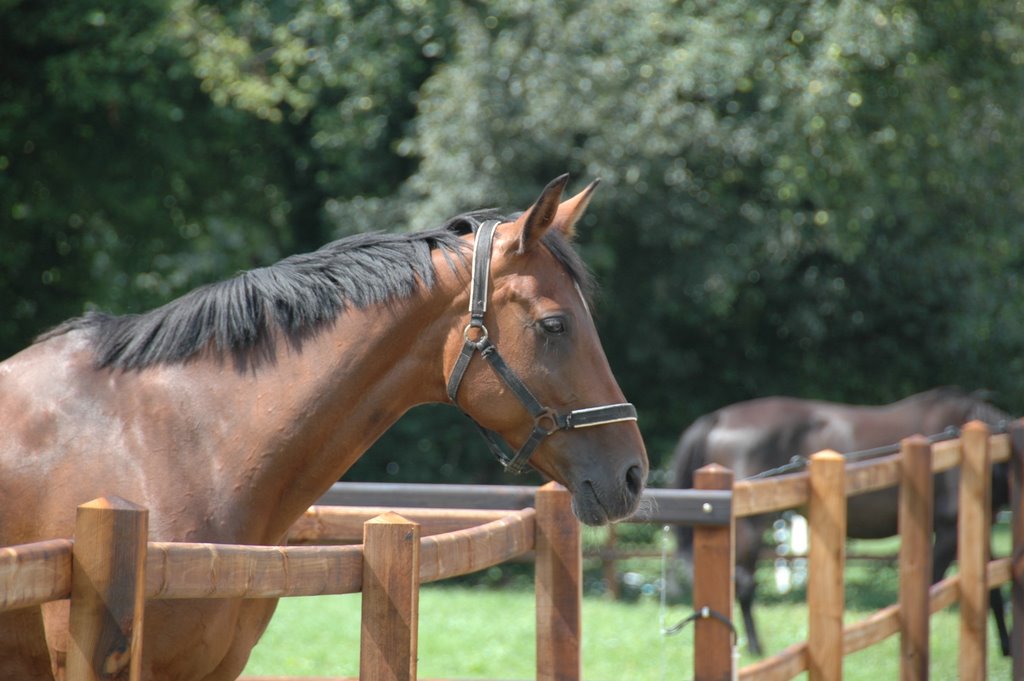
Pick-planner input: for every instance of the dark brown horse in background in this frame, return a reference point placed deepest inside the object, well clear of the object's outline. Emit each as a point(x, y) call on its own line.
point(229, 411)
point(758, 435)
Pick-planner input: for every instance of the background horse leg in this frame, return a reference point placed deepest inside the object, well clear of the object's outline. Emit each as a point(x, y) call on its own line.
point(944, 550)
point(749, 540)
point(745, 587)
point(942, 557)
point(998, 607)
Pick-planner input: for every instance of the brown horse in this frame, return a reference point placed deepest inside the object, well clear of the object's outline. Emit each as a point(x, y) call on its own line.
point(762, 434)
point(229, 411)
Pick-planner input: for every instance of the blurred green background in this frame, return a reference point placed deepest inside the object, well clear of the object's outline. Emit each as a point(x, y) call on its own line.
point(816, 198)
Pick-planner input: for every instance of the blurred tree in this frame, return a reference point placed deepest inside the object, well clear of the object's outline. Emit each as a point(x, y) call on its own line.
point(120, 184)
point(150, 147)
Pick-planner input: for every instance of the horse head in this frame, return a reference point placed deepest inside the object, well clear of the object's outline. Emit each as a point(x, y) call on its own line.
point(527, 366)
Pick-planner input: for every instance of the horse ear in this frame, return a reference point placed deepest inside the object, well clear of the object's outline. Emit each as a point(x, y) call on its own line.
point(571, 210)
point(532, 224)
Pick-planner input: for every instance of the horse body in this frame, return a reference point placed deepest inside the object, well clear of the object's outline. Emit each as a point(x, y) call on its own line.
point(205, 475)
point(758, 435)
point(231, 445)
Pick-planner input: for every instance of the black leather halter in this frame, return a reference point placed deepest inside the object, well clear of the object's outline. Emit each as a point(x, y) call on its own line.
point(545, 420)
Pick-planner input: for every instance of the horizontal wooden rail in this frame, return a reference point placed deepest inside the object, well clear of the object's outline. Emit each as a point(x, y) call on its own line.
point(1000, 571)
point(181, 570)
point(873, 629)
point(875, 474)
point(327, 524)
point(884, 623)
point(782, 666)
point(783, 492)
point(184, 570)
point(868, 476)
point(457, 553)
point(768, 495)
point(32, 574)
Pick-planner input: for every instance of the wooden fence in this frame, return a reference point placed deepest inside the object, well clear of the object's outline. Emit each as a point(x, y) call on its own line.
point(822, 490)
point(404, 546)
point(118, 570)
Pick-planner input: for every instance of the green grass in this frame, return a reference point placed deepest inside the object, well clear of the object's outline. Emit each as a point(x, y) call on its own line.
point(484, 633)
point(471, 633)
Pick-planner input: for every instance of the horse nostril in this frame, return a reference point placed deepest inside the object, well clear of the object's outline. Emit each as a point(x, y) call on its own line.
point(635, 479)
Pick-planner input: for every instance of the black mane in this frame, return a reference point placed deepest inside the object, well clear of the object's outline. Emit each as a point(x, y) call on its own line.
point(299, 295)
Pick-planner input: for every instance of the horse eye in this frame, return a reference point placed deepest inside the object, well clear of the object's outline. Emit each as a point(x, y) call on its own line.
point(553, 325)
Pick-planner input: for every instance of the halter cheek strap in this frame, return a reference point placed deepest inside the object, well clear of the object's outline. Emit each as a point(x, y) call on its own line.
point(545, 420)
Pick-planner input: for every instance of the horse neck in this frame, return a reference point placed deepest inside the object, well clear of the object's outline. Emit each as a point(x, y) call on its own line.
point(319, 408)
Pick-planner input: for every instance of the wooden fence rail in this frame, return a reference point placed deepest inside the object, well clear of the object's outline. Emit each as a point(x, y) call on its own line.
point(110, 570)
point(404, 546)
point(912, 470)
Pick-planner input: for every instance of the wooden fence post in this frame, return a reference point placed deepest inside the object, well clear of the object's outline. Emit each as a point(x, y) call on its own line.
point(826, 566)
point(713, 584)
point(107, 591)
point(1017, 549)
point(391, 591)
point(973, 541)
point(559, 586)
point(915, 527)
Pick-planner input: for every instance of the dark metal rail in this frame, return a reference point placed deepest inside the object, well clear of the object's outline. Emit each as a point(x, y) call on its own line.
point(680, 506)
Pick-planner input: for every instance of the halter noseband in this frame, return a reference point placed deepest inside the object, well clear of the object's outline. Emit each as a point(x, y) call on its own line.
point(546, 421)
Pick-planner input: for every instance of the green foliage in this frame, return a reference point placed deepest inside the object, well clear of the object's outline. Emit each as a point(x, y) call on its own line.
point(807, 198)
point(151, 147)
point(811, 198)
point(120, 185)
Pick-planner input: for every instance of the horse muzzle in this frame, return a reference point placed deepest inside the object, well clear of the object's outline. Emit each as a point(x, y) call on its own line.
point(597, 502)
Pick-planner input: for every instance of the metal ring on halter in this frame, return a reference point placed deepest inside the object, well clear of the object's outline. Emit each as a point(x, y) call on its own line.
point(475, 325)
point(541, 421)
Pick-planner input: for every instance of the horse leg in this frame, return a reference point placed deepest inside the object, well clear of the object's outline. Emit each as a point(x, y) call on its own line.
point(23, 654)
point(998, 608)
point(944, 549)
point(944, 552)
point(749, 538)
point(253, 617)
point(745, 594)
point(996, 604)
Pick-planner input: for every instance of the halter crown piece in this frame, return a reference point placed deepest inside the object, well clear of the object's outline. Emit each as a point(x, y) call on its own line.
point(546, 421)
